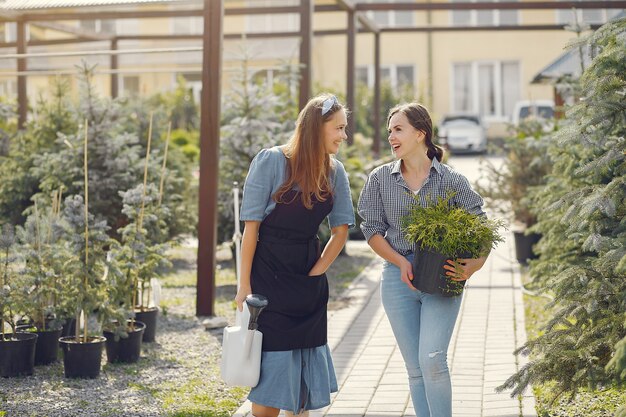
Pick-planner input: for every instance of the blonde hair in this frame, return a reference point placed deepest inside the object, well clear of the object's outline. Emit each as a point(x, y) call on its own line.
point(308, 163)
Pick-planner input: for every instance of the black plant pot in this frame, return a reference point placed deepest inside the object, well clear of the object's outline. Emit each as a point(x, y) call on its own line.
point(127, 349)
point(69, 327)
point(82, 360)
point(17, 357)
point(430, 277)
point(149, 318)
point(524, 246)
point(47, 346)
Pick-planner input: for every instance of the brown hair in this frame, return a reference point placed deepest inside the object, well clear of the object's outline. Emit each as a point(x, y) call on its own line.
point(308, 163)
point(419, 118)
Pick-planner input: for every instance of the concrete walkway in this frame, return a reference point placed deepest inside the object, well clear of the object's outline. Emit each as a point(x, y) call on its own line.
point(370, 371)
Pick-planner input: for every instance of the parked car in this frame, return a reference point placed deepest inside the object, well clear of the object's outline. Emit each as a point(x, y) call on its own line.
point(463, 133)
point(540, 109)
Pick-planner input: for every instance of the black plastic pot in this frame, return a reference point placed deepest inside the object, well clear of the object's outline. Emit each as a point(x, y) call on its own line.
point(47, 346)
point(17, 357)
point(82, 360)
point(524, 246)
point(149, 318)
point(430, 277)
point(69, 328)
point(127, 349)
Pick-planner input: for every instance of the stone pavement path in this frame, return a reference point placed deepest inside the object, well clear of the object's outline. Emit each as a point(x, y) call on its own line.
point(370, 371)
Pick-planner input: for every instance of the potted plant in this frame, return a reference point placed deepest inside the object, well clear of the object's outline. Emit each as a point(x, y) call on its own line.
point(526, 164)
point(442, 231)
point(141, 255)
point(43, 254)
point(85, 288)
point(17, 350)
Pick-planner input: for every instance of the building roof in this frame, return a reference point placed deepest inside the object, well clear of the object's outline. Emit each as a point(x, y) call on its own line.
point(568, 64)
point(56, 4)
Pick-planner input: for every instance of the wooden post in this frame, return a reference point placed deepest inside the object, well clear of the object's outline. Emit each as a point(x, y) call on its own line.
point(209, 155)
point(114, 68)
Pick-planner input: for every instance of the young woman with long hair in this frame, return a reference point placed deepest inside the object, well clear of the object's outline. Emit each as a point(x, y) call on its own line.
point(288, 192)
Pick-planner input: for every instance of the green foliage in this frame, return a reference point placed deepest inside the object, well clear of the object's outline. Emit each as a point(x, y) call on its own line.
point(40, 137)
point(526, 165)
point(582, 212)
point(252, 120)
point(141, 254)
point(450, 230)
point(9, 290)
point(389, 98)
point(44, 254)
point(86, 267)
point(182, 109)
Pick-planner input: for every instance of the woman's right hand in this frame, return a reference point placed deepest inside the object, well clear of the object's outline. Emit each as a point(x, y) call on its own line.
point(243, 292)
point(406, 272)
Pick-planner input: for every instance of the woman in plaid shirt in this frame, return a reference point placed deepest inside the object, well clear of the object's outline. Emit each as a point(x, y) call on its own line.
point(422, 323)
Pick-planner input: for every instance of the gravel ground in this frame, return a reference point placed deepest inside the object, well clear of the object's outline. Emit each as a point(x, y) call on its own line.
point(177, 376)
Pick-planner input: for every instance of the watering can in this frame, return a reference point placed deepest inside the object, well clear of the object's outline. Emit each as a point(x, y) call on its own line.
point(241, 345)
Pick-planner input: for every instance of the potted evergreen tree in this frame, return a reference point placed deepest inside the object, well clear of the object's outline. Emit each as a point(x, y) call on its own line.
point(17, 350)
point(440, 232)
point(141, 255)
point(84, 288)
point(526, 165)
point(43, 253)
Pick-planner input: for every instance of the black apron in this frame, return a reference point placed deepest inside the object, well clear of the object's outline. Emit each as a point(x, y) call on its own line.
point(287, 249)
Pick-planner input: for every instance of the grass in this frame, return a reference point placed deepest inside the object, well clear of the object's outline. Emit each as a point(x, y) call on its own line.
point(586, 403)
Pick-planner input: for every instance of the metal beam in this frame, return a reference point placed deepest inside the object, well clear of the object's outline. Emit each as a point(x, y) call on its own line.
point(209, 155)
point(114, 67)
point(350, 53)
point(348, 6)
point(505, 5)
point(22, 96)
point(479, 28)
point(306, 40)
point(376, 105)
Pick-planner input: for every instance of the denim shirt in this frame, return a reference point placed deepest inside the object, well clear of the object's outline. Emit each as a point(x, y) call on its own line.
point(268, 172)
point(386, 198)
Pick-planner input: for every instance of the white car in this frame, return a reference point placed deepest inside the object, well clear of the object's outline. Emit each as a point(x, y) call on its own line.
point(463, 133)
point(538, 109)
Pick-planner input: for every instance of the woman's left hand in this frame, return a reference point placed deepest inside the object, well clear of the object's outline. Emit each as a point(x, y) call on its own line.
point(462, 269)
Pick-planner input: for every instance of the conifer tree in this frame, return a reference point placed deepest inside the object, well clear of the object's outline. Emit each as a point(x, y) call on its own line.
point(582, 216)
point(252, 121)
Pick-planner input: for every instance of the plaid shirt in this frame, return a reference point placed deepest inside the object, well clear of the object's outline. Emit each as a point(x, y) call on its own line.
point(386, 198)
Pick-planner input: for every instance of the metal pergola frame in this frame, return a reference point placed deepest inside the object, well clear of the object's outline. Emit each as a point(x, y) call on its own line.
point(213, 13)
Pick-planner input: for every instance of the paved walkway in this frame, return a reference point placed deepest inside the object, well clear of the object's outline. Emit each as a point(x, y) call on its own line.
point(370, 371)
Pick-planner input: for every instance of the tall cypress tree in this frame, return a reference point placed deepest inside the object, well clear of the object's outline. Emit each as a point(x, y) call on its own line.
point(582, 216)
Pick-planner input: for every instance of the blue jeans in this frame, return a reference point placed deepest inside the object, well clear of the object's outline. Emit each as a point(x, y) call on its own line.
point(422, 324)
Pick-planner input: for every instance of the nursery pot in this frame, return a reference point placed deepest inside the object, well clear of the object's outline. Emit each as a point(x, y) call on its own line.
point(82, 360)
point(430, 277)
point(126, 349)
point(17, 357)
point(524, 246)
point(47, 346)
point(149, 318)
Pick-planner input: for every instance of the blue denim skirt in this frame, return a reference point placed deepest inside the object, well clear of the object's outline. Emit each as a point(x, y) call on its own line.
point(295, 380)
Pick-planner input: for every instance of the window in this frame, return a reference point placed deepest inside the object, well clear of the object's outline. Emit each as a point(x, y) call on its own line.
point(593, 16)
point(483, 17)
point(391, 18)
point(486, 88)
point(8, 88)
point(98, 26)
point(130, 85)
point(397, 75)
point(127, 27)
point(283, 22)
point(8, 32)
point(193, 25)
